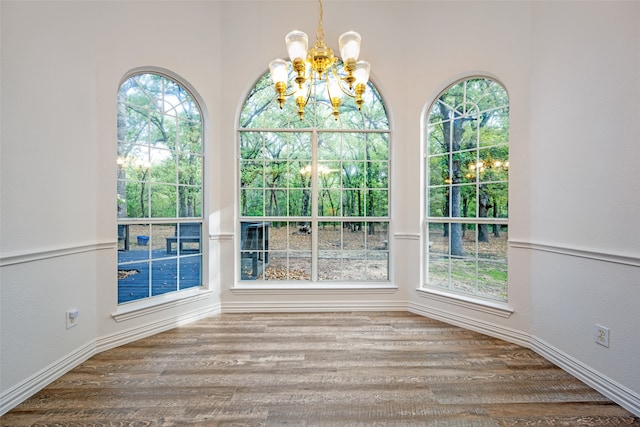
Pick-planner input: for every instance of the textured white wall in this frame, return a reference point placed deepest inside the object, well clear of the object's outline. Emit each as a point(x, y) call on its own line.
point(571, 71)
point(585, 148)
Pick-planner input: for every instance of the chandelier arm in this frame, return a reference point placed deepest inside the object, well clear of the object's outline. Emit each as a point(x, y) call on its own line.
point(334, 71)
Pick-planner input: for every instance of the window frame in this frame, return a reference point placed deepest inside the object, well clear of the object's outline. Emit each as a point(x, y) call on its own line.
point(448, 218)
point(315, 218)
point(190, 249)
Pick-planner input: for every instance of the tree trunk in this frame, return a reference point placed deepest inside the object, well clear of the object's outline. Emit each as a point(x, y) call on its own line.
point(483, 212)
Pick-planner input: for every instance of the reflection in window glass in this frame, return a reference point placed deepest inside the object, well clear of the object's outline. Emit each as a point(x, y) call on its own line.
point(467, 172)
point(317, 187)
point(159, 184)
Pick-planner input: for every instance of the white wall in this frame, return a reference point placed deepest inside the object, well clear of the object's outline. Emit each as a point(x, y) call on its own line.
point(572, 73)
point(585, 145)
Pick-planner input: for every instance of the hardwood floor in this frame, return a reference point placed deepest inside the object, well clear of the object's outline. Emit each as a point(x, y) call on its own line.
point(318, 369)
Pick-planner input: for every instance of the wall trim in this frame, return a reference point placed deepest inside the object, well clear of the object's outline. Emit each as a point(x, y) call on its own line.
point(154, 305)
point(221, 236)
point(27, 388)
point(407, 236)
point(43, 254)
point(489, 307)
point(620, 394)
point(36, 382)
point(493, 330)
point(616, 258)
point(124, 337)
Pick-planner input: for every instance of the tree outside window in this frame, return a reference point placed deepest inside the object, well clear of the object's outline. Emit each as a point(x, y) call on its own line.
point(467, 164)
point(313, 192)
point(159, 185)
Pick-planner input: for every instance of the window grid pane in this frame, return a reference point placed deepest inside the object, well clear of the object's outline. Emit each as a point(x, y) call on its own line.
point(327, 206)
point(467, 165)
point(159, 179)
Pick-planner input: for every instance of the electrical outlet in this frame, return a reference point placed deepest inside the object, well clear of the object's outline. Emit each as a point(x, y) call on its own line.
point(602, 335)
point(72, 317)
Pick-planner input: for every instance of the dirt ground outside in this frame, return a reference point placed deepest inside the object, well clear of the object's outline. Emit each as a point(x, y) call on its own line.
point(356, 253)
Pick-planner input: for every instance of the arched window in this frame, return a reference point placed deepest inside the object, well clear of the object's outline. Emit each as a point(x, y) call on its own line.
point(313, 192)
point(467, 191)
point(160, 187)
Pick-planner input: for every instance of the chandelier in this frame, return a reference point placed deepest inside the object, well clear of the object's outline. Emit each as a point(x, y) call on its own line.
point(319, 64)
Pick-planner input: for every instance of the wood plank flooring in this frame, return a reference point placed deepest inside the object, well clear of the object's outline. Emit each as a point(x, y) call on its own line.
point(318, 369)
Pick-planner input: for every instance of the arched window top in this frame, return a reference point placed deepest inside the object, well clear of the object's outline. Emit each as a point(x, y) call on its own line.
point(473, 99)
point(159, 94)
point(261, 110)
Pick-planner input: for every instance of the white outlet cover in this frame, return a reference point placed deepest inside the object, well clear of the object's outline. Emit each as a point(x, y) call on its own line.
point(602, 335)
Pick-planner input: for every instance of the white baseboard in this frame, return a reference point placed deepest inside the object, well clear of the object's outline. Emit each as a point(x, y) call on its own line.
point(143, 331)
point(496, 331)
point(36, 382)
point(620, 394)
point(27, 388)
point(609, 388)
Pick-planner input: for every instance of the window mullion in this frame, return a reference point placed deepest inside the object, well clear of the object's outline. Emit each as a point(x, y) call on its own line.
point(314, 206)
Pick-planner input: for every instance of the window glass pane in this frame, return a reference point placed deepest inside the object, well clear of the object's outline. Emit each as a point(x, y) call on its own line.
point(164, 276)
point(438, 239)
point(463, 169)
point(463, 275)
point(472, 118)
point(255, 251)
point(137, 199)
point(252, 202)
point(189, 169)
point(159, 178)
point(329, 174)
point(437, 143)
point(190, 271)
point(300, 202)
point(439, 202)
point(162, 165)
point(133, 281)
point(251, 145)
point(326, 174)
point(163, 201)
point(468, 201)
point(377, 175)
point(377, 203)
point(353, 203)
point(377, 236)
point(329, 146)
point(251, 174)
point(329, 203)
point(493, 245)
point(492, 280)
point(438, 170)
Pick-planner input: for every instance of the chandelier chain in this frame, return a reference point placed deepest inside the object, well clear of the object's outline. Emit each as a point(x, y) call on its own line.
point(320, 30)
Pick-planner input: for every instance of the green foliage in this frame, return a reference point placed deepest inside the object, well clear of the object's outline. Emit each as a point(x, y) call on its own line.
point(160, 148)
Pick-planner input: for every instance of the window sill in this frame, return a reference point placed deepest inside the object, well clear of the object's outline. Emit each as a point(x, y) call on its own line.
point(494, 308)
point(296, 288)
point(160, 303)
